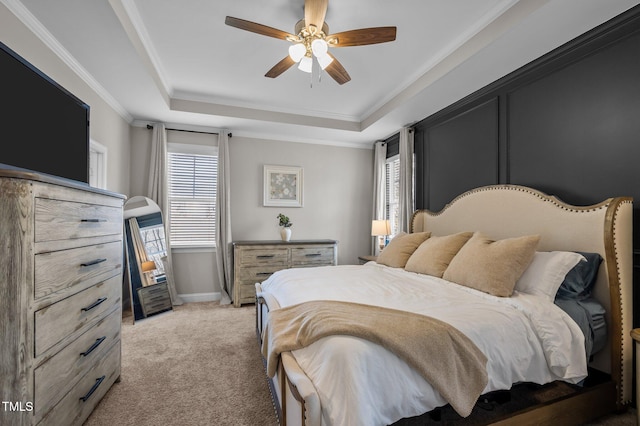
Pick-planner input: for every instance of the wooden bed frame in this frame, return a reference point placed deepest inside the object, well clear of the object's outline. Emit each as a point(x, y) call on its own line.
point(503, 211)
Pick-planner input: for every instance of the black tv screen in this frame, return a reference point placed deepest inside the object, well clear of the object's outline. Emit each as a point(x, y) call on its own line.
point(43, 127)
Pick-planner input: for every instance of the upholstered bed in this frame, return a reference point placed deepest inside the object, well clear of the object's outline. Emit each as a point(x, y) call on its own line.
point(334, 374)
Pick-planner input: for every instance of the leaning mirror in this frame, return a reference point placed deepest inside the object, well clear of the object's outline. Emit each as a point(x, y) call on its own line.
point(149, 269)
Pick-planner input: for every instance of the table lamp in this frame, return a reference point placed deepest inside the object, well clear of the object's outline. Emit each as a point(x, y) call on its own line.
point(380, 228)
point(147, 268)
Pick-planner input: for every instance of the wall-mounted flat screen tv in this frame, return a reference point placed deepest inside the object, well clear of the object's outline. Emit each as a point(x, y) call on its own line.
point(43, 127)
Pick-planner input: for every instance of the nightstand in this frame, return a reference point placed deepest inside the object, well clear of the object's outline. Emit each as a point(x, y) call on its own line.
point(366, 258)
point(154, 298)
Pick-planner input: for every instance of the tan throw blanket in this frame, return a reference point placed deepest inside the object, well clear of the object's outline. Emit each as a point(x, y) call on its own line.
point(445, 357)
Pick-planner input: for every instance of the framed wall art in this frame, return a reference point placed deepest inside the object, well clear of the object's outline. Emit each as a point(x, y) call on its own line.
point(282, 186)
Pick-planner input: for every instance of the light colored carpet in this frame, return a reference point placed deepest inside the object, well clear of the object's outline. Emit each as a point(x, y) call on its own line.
point(199, 364)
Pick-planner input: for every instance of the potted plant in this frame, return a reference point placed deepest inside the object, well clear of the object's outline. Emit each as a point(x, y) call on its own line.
point(285, 223)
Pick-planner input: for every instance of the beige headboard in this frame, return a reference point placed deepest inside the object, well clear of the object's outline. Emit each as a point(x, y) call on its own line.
point(503, 211)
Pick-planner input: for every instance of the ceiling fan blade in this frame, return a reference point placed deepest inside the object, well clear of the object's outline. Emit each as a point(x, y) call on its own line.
point(280, 67)
point(337, 71)
point(315, 11)
point(362, 37)
point(257, 28)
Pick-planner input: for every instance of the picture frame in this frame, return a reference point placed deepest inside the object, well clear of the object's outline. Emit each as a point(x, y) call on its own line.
point(283, 186)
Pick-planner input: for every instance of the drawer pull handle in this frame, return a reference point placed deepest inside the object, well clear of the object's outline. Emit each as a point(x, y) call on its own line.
point(94, 304)
point(93, 389)
point(264, 273)
point(265, 256)
point(93, 220)
point(313, 254)
point(95, 345)
point(93, 262)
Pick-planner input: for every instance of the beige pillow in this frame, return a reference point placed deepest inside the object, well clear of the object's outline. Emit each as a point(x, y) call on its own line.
point(434, 255)
point(492, 266)
point(400, 248)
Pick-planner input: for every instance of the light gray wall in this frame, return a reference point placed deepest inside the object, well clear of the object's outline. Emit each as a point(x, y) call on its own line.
point(107, 126)
point(337, 193)
point(337, 201)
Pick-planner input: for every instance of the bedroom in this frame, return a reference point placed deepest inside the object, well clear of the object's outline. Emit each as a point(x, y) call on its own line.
point(348, 180)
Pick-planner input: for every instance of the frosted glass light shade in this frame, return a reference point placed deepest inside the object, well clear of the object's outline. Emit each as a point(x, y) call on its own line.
point(324, 60)
point(306, 64)
point(319, 47)
point(297, 51)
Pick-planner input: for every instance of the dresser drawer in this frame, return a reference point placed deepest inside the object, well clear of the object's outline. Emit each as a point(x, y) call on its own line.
point(57, 321)
point(256, 274)
point(154, 292)
point(156, 306)
point(247, 293)
point(263, 256)
point(62, 220)
point(58, 270)
point(76, 405)
point(59, 373)
point(312, 256)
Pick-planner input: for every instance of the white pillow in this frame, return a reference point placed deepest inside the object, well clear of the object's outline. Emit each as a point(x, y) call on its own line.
point(546, 272)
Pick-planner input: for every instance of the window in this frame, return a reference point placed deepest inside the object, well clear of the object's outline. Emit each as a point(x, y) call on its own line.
point(392, 202)
point(193, 174)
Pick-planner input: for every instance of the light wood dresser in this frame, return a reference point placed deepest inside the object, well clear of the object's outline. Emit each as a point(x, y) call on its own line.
point(61, 258)
point(255, 261)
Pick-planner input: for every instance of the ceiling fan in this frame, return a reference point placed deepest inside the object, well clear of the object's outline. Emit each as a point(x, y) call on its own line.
point(312, 40)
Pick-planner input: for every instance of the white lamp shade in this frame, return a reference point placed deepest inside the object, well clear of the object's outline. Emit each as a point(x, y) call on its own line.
point(324, 60)
point(319, 47)
point(380, 227)
point(297, 51)
point(306, 64)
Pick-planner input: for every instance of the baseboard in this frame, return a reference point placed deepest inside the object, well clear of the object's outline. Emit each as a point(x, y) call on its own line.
point(200, 297)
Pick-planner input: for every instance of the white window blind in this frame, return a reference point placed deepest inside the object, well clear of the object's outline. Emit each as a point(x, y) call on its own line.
point(392, 202)
point(192, 198)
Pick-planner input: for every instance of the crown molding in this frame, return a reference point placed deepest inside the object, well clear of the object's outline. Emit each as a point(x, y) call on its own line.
point(36, 27)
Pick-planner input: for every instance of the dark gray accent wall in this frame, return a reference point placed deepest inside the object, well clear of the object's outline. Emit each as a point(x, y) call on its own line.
point(567, 124)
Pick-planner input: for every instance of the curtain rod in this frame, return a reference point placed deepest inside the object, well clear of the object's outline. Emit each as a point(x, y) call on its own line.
point(149, 126)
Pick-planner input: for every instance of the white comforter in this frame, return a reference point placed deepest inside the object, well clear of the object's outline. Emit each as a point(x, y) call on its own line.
point(525, 338)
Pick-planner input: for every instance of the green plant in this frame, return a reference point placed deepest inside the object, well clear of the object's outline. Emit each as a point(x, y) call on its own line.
point(284, 220)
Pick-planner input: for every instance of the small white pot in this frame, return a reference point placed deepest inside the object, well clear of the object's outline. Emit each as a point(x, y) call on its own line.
point(285, 233)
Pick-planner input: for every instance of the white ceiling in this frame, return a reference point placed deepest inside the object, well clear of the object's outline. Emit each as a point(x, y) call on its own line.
point(177, 62)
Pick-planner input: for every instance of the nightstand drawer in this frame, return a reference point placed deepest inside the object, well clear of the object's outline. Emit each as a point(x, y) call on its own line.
point(58, 373)
point(312, 256)
point(69, 315)
point(62, 220)
point(263, 257)
point(58, 270)
point(154, 298)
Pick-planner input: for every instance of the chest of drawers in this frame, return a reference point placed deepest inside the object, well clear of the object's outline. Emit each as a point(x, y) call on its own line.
point(154, 298)
point(255, 261)
point(61, 263)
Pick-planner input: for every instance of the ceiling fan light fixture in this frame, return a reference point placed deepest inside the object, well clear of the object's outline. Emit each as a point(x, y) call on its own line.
point(306, 64)
point(297, 51)
point(319, 47)
point(324, 60)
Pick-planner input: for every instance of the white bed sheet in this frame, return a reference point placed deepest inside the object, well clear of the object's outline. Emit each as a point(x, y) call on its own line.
point(525, 338)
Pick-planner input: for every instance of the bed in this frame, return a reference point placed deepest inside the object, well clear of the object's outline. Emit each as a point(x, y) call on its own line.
point(346, 379)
